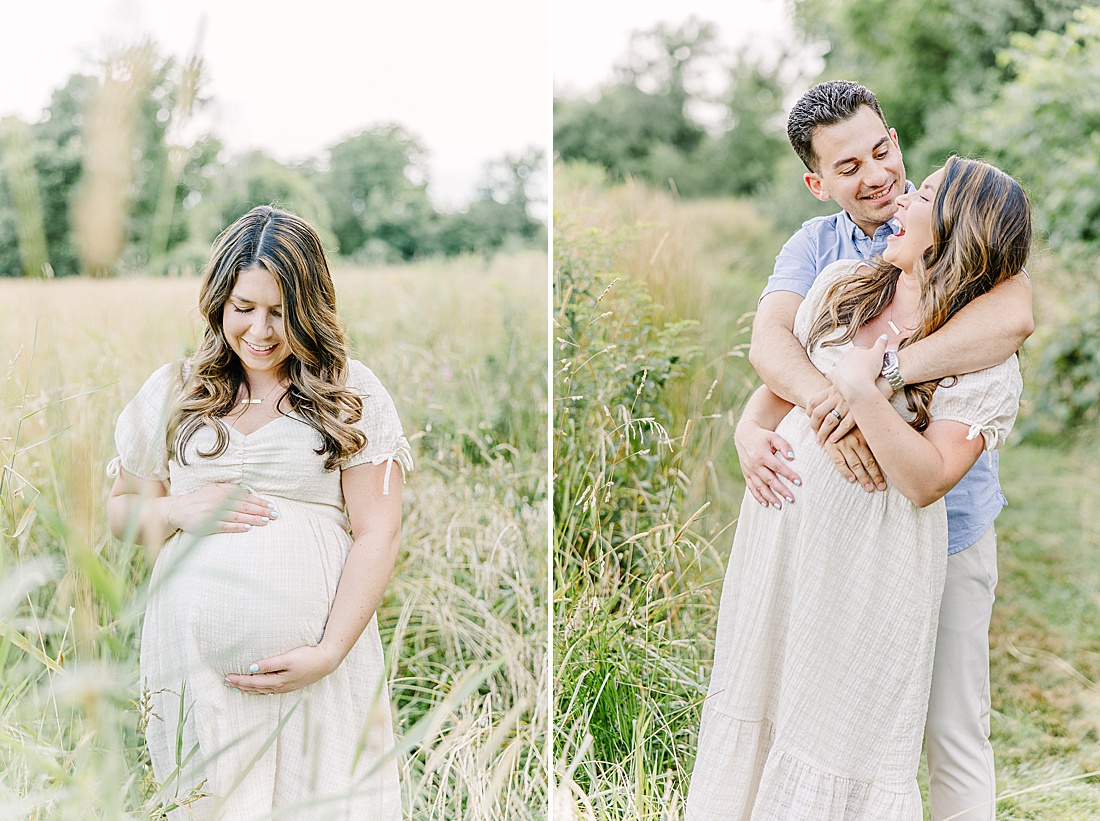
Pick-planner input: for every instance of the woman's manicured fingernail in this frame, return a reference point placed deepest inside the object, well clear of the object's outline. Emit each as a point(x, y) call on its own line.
point(255, 668)
point(789, 499)
point(236, 689)
point(776, 505)
point(274, 514)
point(247, 526)
point(763, 504)
point(271, 505)
point(798, 483)
point(265, 519)
point(227, 682)
point(790, 454)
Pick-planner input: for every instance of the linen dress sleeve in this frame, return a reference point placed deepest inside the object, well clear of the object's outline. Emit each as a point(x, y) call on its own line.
point(142, 425)
point(386, 442)
point(987, 401)
point(807, 311)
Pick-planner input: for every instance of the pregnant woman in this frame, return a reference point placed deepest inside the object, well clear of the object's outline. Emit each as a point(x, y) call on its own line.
point(260, 653)
point(827, 626)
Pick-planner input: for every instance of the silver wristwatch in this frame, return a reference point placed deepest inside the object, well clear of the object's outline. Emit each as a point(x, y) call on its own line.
point(890, 371)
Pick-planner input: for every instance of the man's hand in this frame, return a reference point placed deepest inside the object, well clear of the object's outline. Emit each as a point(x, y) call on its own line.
point(829, 415)
point(855, 462)
point(825, 423)
point(761, 453)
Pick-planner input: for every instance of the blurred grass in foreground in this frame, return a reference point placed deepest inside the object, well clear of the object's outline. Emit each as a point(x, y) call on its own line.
point(636, 595)
point(461, 347)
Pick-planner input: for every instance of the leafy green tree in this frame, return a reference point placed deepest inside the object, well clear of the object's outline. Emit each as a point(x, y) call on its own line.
point(647, 109)
point(620, 129)
point(128, 196)
point(648, 123)
point(154, 180)
point(24, 213)
point(501, 214)
point(742, 160)
point(60, 150)
point(926, 60)
point(257, 179)
point(1043, 126)
point(376, 187)
point(58, 147)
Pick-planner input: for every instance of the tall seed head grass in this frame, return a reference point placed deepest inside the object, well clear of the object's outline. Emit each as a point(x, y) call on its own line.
point(464, 619)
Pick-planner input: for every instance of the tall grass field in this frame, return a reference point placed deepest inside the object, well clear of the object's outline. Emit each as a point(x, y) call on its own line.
point(460, 345)
point(653, 299)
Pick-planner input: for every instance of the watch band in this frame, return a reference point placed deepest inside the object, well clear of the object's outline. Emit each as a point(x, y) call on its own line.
point(890, 371)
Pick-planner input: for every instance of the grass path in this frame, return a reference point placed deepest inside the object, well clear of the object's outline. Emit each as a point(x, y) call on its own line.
point(1045, 635)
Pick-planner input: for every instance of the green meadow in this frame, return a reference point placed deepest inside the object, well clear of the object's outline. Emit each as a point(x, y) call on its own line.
point(653, 302)
point(460, 345)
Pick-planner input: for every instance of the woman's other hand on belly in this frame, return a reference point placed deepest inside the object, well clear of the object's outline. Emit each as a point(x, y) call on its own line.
point(222, 507)
point(285, 672)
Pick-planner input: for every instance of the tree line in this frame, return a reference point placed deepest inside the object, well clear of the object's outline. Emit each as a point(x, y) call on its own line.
point(112, 179)
point(1012, 81)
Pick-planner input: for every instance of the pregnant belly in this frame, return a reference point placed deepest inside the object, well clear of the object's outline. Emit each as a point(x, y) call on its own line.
point(230, 599)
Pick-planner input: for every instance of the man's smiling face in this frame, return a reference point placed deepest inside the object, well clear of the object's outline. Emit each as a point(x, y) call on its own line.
point(860, 167)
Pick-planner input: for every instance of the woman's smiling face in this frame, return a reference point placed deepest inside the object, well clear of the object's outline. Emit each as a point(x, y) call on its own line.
point(252, 320)
point(914, 215)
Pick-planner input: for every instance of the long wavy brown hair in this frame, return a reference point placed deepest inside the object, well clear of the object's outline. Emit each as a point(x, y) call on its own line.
point(981, 236)
point(289, 249)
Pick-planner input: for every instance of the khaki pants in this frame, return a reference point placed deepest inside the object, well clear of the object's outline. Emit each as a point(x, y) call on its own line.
point(956, 736)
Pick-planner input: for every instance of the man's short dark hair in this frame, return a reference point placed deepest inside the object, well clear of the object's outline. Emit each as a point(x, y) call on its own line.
point(826, 103)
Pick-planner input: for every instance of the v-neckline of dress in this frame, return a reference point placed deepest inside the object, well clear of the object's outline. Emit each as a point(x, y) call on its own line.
point(266, 424)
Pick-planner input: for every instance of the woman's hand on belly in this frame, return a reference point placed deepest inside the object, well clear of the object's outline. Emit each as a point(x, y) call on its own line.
point(221, 507)
point(285, 672)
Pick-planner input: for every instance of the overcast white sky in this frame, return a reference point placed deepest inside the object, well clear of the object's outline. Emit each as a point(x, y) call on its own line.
point(470, 79)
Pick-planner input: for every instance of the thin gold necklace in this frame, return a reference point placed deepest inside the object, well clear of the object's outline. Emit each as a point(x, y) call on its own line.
point(247, 401)
point(890, 321)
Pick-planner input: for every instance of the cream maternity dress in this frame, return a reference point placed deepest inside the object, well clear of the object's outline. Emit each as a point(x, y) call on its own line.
point(827, 627)
point(221, 602)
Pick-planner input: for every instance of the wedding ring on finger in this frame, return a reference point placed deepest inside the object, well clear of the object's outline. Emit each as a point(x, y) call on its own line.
point(836, 413)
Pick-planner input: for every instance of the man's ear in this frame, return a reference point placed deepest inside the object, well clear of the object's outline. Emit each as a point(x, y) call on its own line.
point(813, 182)
point(894, 137)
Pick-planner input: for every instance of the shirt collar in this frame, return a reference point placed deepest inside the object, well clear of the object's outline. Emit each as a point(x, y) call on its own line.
point(888, 228)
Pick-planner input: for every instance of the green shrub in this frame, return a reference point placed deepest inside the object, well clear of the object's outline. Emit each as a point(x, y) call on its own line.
point(627, 687)
point(1065, 386)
